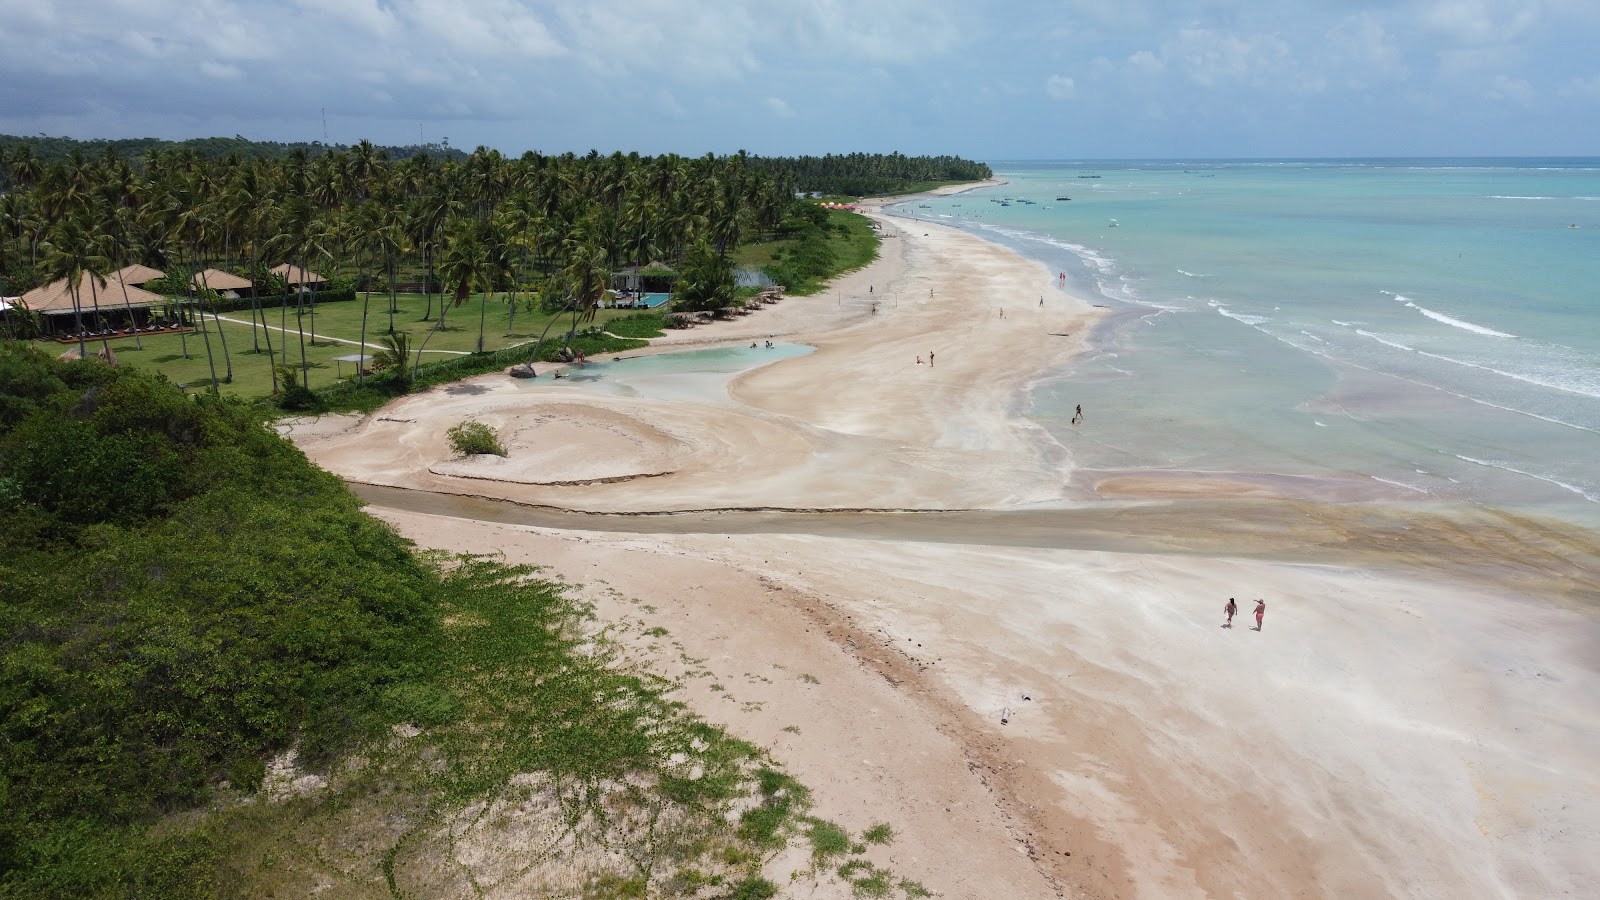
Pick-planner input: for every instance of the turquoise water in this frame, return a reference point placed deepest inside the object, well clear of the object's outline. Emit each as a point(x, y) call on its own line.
point(692, 375)
point(1433, 325)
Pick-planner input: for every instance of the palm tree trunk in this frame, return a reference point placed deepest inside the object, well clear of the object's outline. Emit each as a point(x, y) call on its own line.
point(300, 324)
point(77, 317)
point(138, 342)
point(227, 358)
point(427, 285)
point(272, 361)
point(394, 298)
point(94, 295)
point(361, 364)
point(483, 317)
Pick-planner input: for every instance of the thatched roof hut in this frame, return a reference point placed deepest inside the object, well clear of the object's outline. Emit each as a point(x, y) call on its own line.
point(220, 281)
point(139, 275)
point(292, 275)
point(55, 298)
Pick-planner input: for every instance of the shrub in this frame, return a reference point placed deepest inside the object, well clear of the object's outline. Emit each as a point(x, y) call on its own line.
point(473, 438)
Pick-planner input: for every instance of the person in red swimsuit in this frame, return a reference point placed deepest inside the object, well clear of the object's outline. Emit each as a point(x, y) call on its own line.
point(1261, 612)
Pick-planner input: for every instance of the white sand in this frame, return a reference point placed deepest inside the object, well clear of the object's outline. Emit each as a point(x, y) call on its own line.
point(1418, 718)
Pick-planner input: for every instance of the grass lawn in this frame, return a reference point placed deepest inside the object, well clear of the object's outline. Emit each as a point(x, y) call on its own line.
point(338, 331)
point(851, 248)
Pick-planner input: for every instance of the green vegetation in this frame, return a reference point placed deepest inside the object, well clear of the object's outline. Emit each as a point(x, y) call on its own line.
point(218, 677)
point(827, 839)
point(58, 149)
point(638, 325)
point(816, 245)
point(874, 174)
point(473, 438)
point(880, 833)
point(462, 254)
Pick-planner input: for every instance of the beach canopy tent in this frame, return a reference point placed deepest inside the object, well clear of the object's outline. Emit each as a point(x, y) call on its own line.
point(224, 283)
point(360, 359)
point(293, 275)
point(113, 304)
point(139, 275)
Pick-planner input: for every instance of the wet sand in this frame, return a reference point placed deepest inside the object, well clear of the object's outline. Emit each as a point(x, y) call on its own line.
point(1021, 665)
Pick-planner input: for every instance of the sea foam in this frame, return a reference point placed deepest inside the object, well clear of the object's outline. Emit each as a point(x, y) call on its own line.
point(1452, 321)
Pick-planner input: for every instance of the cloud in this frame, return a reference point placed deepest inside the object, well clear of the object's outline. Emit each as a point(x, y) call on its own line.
point(1060, 87)
point(1505, 89)
point(1482, 21)
point(1361, 53)
point(1146, 63)
point(1583, 88)
point(368, 15)
point(780, 108)
point(484, 27)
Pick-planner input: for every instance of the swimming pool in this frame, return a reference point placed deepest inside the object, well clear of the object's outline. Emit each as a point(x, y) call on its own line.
point(648, 301)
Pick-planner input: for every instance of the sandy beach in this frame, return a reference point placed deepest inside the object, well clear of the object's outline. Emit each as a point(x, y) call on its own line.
point(902, 590)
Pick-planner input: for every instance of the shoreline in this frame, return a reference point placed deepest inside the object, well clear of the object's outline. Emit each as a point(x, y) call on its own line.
point(1006, 704)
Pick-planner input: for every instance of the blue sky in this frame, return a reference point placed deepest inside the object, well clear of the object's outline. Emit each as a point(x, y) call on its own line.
point(1015, 80)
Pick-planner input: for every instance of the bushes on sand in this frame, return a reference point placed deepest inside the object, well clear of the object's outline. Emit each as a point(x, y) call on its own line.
point(473, 438)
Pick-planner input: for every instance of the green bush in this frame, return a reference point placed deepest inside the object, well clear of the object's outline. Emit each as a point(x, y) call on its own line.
point(473, 438)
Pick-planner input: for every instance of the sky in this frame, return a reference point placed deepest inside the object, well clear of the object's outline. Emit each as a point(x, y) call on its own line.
point(1030, 79)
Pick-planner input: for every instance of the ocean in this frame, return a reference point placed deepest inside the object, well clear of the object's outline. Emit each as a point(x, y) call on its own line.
point(1423, 330)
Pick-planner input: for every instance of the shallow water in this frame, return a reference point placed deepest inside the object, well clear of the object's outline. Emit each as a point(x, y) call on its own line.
point(1432, 326)
point(699, 376)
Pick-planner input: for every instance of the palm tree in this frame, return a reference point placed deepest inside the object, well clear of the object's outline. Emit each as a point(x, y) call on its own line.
point(72, 253)
point(301, 237)
point(468, 264)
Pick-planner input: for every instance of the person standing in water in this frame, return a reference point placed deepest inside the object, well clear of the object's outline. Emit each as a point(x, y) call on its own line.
point(1261, 612)
point(1229, 610)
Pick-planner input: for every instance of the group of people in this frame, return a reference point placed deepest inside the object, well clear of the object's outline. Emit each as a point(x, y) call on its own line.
point(930, 359)
point(1232, 607)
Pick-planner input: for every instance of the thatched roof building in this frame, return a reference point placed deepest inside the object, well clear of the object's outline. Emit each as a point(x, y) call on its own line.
point(292, 275)
point(139, 275)
point(221, 281)
point(55, 298)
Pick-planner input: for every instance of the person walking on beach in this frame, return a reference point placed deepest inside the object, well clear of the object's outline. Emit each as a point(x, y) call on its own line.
point(1229, 610)
point(1261, 611)
point(1041, 299)
point(930, 359)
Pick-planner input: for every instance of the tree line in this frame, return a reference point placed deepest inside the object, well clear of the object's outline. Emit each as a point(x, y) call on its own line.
point(869, 174)
point(479, 226)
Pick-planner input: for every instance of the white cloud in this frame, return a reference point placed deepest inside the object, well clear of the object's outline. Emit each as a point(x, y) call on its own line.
point(1363, 53)
point(1060, 87)
point(1147, 63)
point(780, 108)
point(1213, 58)
point(1506, 89)
point(370, 16)
point(1585, 88)
point(1482, 21)
point(219, 70)
point(479, 28)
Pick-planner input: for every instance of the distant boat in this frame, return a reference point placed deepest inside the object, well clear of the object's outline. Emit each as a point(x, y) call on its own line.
point(1004, 203)
point(1088, 176)
point(1063, 198)
point(923, 206)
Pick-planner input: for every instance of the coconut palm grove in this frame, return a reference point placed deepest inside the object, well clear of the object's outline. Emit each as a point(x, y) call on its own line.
point(213, 244)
